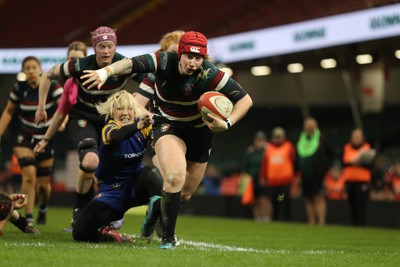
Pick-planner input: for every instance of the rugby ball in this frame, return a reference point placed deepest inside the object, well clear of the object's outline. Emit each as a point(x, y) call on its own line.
point(215, 103)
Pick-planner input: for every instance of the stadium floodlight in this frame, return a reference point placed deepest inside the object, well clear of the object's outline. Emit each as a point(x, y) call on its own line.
point(295, 68)
point(397, 54)
point(364, 59)
point(260, 70)
point(328, 63)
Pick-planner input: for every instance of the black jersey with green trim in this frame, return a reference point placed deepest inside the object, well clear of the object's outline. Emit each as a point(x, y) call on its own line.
point(121, 160)
point(26, 98)
point(88, 99)
point(176, 95)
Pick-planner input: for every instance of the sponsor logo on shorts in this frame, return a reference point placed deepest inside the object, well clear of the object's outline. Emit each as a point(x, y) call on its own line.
point(165, 127)
point(117, 186)
point(82, 123)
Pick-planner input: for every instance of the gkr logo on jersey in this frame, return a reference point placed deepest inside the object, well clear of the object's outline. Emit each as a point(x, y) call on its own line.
point(195, 49)
point(188, 89)
point(165, 127)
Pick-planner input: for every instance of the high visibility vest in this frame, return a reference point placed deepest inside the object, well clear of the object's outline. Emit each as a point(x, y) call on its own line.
point(277, 167)
point(355, 173)
point(15, 169)
point(335, 188)
point(396, 188)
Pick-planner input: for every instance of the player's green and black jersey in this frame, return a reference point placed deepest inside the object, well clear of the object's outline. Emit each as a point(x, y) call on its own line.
point(26, 98)
point(176, 95)
point(146, 89)
point(120, 161)
point(87, 99)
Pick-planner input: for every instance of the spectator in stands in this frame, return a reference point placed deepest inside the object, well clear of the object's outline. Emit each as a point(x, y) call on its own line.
point(357, 162)
point(211, 181)
point(379, 185)
point(36, 169)
point(315, 156)
point(393, 180)
point(85, 123)
point(277, 173)
point(178, 126)
point(15, 173)
point(335, 185)
point(123, 181)
point(8, 212)
point(261, 207)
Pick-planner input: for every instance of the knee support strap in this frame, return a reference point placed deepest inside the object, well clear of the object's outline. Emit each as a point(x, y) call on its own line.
point(85, 146)
point(43, 171)
point(86, 170)
point(26, 161)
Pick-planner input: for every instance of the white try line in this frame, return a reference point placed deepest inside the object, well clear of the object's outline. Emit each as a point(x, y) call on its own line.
point(191, 245)
point(228, 248)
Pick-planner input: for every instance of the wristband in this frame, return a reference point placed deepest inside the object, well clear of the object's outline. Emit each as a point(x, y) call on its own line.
point(104, 73)
point(228, 123)
point(110, 71)
point(47, 140)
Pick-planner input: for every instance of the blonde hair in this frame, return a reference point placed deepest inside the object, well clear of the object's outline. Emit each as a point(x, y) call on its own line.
point(170, 38)
point(120, 99)
point(78, 46)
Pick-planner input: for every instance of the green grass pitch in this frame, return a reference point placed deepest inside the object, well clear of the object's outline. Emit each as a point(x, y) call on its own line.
point(206, 241)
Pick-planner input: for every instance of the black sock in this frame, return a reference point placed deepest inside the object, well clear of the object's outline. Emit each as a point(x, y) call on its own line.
point(170, 203)
point(83, 199)
point(80, 200)
point(90, 194)
point(21, 223)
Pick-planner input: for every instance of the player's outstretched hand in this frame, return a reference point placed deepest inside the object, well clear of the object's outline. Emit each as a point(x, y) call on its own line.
point(94, 78)
point(144, 122)
point(20, 200)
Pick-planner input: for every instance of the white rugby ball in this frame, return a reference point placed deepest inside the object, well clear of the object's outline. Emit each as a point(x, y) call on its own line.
point(216, 103)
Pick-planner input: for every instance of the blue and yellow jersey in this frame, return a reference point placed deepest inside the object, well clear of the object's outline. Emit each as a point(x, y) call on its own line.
point(120, 161)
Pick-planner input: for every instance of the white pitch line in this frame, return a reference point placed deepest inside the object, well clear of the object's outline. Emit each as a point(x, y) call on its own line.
point(190, 245)
point(209, 246)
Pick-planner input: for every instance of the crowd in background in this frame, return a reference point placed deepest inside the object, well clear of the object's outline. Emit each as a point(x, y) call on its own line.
point(354, 172)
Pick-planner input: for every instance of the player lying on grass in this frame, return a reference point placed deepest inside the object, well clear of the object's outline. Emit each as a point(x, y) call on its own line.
point(123, 181)
point(8, 206)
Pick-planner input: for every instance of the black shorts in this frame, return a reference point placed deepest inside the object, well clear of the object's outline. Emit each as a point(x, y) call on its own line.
point(312, 186)
point(80, 128)
point(198, 140)
point(23, 139)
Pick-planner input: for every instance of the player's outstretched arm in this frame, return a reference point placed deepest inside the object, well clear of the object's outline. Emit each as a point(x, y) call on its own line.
point(96, 78)
point(44, 87)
